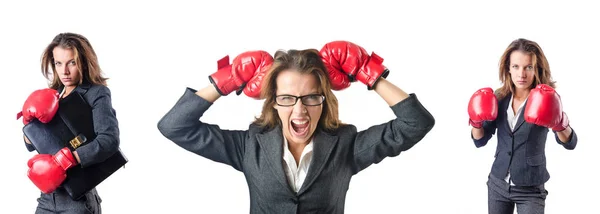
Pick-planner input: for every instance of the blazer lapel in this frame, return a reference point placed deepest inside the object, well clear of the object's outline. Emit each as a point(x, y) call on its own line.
point(323, 144)
point(81, 88)
point(504, 107)
point(271, 143)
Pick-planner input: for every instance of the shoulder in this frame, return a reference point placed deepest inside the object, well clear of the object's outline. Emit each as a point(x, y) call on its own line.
point(343, 129)
point(93, 92)
point(255, 128)
point(502, 95)
point(96, 94)
point(99, 89)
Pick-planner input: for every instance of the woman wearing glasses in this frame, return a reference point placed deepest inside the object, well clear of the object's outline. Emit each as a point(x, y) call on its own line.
point(298, 157)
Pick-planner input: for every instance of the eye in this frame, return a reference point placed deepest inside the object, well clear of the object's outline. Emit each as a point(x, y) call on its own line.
point(515, 66)
point(313, 97)
point(72, 63)
point(56, 63)
point(530, 67)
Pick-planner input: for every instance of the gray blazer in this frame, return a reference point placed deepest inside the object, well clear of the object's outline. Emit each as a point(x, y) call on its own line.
point(520, 151)
point(106, 125)
point(258, 153)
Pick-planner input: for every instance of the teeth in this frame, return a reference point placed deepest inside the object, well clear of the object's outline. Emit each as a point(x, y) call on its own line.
point(299, 122)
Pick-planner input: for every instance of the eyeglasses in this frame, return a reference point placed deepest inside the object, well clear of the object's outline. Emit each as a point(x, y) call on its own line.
point(307, 100)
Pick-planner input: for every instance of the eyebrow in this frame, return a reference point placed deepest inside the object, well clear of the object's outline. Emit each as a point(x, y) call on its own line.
point(70, 60)
point(312, 93)
point(531, 64)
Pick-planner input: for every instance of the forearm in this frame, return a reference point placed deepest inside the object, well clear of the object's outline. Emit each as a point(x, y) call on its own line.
point(390, 92)
point(482, 135)
point(564, 135)
point(26, 140)
point(209, 93)
point(97, 150)
point(477, 133)
point(76, 156)
point(28, 144)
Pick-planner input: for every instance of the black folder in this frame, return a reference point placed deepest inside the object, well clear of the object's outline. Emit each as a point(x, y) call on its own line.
point(72, 127)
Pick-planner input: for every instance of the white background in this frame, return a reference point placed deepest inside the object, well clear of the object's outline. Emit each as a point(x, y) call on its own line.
point(443, 51)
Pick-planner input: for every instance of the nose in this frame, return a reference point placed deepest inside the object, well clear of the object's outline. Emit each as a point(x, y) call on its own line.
point(299, 107)
point(521, 73)
point(64, 70)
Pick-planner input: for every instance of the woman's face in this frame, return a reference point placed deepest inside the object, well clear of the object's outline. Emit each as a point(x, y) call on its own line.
point(521, 70)
point(299, 117)
point(66, 67)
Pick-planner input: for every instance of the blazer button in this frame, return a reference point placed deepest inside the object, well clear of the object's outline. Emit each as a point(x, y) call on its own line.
point(295, 200)
point(509, 153)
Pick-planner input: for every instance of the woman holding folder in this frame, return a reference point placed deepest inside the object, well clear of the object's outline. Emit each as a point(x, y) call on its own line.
point(70, 64)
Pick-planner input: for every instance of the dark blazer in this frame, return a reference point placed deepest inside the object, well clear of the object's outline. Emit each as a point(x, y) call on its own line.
point(522, 151)
point(258, 153)
point(106, 125)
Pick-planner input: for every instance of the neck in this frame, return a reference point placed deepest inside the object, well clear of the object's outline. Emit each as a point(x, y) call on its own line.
point(68, 90)
point(521, 94)
point(296, 147)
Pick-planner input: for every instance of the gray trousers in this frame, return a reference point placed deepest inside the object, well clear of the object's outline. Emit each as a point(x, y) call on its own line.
point(60, 202)
point(503, 197)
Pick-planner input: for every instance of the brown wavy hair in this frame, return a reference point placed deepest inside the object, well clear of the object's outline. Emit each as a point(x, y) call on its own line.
point(541, 76)
point(85, 58)
point(307, 61)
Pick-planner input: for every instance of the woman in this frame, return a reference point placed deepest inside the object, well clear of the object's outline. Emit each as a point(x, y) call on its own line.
point(70, 64)
point(298, 157)
point(522, 111)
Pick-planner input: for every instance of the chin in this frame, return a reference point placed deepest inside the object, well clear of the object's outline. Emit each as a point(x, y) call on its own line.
point(523, 87)
point(304, 138)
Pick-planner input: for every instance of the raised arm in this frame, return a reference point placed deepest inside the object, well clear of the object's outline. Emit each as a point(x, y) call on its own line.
point(182, 126)
point(182, 123)
point(412, 121)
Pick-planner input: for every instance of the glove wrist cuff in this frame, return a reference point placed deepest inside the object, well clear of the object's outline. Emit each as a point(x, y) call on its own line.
point(564, 123)
point(477, 125)
point(372, 71)
point(222, 81)
point(65, 158)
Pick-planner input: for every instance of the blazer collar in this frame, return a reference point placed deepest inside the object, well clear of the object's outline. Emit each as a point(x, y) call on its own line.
point(271, 143)
point(81, 88)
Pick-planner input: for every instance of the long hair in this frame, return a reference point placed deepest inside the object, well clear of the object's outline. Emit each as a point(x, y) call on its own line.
point(306, 61)
point(85, 58)
point(540, 63)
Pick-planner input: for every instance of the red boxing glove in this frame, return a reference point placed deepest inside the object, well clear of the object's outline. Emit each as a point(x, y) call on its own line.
point(348, 62)
point(48, 172)
point(262, 63)
point(342, 60)
point(41, 105)
point(245, 73)
point(483, 106)
point(544, 108)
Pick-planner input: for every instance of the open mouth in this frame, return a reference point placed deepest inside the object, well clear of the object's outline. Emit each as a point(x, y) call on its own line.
point(300, 127)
